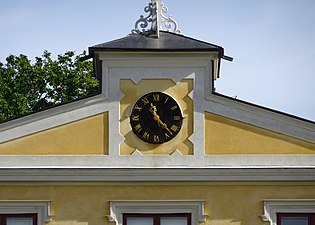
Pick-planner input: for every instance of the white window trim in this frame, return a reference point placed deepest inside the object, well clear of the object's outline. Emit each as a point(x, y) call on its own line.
point(41, 208)
point(272, 207)
point(195, 208)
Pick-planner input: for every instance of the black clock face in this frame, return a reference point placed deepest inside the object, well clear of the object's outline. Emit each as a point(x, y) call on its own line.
point(156, 118)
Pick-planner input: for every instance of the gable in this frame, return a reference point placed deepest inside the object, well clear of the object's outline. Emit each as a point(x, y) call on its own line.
point(87, 136)
point(96, 132)
point(228, 136)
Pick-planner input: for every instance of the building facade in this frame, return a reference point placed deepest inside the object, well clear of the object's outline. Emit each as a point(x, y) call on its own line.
point(157, 146)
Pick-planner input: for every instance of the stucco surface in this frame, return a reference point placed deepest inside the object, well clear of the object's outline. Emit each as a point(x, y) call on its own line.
point(86, 136)
point(227, 136)
point(233, 204)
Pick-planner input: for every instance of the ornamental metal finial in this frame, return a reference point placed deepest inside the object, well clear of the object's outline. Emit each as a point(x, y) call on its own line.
point(157, 18)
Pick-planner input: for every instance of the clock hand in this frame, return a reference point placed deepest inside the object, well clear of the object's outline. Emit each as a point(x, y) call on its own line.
point(156, 117)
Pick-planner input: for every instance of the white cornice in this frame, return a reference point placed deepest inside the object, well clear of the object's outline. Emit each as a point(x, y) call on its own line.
point(156, 175)
point(172, 161)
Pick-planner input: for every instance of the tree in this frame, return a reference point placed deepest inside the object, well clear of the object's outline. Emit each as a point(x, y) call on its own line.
point(27, 88)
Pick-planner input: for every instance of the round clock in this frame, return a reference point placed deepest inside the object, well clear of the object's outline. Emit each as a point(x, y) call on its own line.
point(156, 118)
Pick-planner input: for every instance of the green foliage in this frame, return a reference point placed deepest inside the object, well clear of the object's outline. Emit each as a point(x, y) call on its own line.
point(26, 87)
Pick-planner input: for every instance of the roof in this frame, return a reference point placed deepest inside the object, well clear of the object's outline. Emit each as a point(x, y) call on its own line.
point(167, 42)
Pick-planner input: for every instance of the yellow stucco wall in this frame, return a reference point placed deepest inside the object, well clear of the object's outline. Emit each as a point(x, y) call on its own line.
point(86, 136)
point(232, 204)
point(227, 136)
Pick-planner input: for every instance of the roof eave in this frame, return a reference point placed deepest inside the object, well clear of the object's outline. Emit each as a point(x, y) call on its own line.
point(220, 52)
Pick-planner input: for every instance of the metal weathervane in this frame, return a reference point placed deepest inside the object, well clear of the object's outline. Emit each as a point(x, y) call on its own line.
point(157, 18)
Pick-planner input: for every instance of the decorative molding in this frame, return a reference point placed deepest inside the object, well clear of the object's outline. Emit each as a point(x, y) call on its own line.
point(168, 22)
point(41, 208)
point(156, 175)
point(156, 16)
point(296, 162)
point(143, 22)
point(274, 206)
point(118, 208)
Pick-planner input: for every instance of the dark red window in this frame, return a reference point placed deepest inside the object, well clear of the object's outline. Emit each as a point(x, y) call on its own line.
point(157, 219)
point(296, 219)
point(18, 219)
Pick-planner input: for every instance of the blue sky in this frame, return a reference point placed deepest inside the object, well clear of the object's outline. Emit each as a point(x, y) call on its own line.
point(272, 41)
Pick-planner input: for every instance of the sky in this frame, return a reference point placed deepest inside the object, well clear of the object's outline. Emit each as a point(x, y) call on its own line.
point(272, 41)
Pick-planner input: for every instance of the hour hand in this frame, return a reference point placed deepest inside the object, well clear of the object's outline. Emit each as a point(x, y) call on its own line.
point(153, 109)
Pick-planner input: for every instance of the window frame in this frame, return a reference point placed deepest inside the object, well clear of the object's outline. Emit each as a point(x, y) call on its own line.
point(273, 207)
point(194, 207)
point(156, 217)
point(15, 207)
point(310, 216)
point(4, 217)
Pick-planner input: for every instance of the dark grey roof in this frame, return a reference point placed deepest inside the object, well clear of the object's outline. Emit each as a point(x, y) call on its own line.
point(167, 42)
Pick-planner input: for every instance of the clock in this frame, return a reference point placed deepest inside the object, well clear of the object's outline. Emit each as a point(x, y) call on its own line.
point(156, 118)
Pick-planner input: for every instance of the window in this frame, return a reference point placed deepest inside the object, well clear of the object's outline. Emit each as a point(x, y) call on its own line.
point(289, 211)
point(296, 219)
point(24, 212)
point(157, 219)
point(18, 219)
point(157, 212)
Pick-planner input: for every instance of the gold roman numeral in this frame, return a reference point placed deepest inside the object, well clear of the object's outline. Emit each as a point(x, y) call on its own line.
point(156, 139)
point(156, 97)
point(145, 101)
point(174, 128)
point(177, 117)
point(138, 107)
point(146, 136)
point(138, 128)
point(134, 118)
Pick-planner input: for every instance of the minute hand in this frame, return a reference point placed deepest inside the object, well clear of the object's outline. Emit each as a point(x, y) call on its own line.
point(156, 117)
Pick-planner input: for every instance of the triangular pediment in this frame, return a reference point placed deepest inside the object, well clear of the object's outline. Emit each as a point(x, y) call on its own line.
point(224, 134)
point(97, 131)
